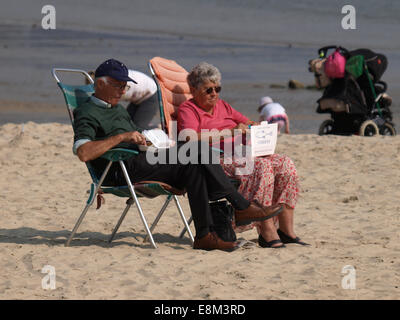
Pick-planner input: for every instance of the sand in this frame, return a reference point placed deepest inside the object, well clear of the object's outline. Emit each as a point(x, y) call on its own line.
point(348, 211)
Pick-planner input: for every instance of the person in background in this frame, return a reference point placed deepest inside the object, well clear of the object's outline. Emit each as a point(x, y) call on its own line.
point(273, 112)
point(142, 99)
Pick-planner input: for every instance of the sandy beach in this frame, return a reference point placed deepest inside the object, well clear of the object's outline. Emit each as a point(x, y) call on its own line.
point(348, 212)
point(348, 208)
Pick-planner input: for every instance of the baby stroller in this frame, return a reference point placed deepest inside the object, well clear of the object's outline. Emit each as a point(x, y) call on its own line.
point(355, 96)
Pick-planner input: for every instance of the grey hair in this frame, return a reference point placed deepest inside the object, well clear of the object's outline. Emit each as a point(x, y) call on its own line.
point(202, 73)
point(104, 79)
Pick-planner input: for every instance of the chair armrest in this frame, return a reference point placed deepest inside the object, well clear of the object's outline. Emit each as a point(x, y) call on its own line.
point(119, 154)
point(217, 149)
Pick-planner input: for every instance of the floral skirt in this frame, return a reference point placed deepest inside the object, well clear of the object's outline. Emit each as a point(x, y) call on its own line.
point(268, 180)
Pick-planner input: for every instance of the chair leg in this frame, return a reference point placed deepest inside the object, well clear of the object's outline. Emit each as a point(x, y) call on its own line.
point(132, 191)
point(187, 228)
point(155, 222)
point(78, 223)
point(185, 222)
point(128, 205)
point(93, 192)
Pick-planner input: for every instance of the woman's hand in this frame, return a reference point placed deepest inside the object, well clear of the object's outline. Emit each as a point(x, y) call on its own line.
point(245, 126)
point(253, 123)
point(242, 127)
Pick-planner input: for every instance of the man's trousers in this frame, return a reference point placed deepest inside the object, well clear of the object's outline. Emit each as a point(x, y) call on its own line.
point(203, 182)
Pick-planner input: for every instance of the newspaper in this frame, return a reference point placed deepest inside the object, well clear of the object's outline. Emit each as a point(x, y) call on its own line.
point(158, 140)
point(263, 139)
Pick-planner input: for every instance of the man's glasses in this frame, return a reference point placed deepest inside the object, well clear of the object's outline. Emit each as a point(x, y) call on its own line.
point(124, 87)
point(211, 89)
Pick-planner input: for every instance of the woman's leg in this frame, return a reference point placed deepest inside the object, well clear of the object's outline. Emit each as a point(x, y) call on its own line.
point(286, 190)
point(283, 184)
point(286, 183)
point(286, 221)
point(273, 180)
point(268, 231)
point(286, 229)
point(257, 186)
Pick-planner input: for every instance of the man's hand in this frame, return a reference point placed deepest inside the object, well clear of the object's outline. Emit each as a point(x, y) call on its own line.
point(93, 149)
point(134, 137)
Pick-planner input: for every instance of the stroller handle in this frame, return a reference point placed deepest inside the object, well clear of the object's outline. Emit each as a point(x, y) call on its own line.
point(322, 52)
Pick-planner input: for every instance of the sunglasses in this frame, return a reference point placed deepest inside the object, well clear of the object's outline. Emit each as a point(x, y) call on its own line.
point(211, 89)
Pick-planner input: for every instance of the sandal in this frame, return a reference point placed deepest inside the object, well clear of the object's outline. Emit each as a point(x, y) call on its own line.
point(264, 244)
point(286, 239)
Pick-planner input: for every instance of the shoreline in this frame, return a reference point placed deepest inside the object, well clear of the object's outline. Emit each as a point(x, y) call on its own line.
point(302, 122)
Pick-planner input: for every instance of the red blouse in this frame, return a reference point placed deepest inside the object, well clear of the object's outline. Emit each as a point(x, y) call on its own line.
point(190, 116)
point(223, 117)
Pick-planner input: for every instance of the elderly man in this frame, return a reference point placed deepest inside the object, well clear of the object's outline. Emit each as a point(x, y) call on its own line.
point(142, 99)
point(102, 124)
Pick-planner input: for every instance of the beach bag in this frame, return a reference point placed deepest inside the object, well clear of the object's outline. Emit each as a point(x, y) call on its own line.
point(335, 64)
point(222, 213)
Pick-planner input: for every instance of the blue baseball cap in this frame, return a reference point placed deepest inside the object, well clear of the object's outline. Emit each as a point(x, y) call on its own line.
point(114, 69)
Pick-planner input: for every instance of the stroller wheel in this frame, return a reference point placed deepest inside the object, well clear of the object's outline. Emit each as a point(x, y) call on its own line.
point(387, 130)
point(369, 128)
point(326, 127)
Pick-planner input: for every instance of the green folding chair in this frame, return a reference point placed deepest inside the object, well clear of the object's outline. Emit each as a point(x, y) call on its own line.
point(75, 96)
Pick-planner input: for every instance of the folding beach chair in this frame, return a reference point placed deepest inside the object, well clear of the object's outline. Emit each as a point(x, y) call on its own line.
point(76, 95)
point(172, 90)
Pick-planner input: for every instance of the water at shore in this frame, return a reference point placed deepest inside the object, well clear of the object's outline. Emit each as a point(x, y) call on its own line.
point(253, 43)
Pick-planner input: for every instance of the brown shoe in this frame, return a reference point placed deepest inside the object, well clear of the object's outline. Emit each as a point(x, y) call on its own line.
point(211, 241)
point(256, 212)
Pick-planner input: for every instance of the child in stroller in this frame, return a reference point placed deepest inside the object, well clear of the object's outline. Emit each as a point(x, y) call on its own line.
point(355, 96)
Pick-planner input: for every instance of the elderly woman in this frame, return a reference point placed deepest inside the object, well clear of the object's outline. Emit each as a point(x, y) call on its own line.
point(273, 180)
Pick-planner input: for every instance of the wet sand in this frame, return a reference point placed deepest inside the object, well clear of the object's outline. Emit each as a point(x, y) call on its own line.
point(254, 44)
